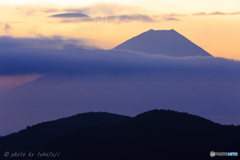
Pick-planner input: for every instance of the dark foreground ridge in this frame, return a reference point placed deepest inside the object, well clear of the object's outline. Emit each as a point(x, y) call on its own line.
point(156, 134)
point(164, 42)
point(33, 136)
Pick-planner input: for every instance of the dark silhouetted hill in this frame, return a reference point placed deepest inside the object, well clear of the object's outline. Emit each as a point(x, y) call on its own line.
point(164, 42)
point(157, 134)
point(33, 136)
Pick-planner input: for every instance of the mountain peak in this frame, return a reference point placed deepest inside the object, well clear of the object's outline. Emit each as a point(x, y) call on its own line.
point(161, 30)
point(163, 42)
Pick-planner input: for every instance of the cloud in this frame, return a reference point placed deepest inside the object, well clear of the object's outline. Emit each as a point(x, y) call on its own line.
point(27, 56)
point(110, 13)
point(171, 19)
point(199, 14)
point(69, 15)
point(97, 9)
point(50, 10)
point(125, 18)
point(99, 12)
point(121, 18)
point(215, 13)
point(219, 13)
point(105, 9)
point(7, 27)
point(118, 18)
point(222, 13)
point(176, 15)
point(54, 42)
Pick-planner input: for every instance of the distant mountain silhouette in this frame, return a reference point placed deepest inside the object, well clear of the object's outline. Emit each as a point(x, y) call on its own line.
point(156, 134)
point(33, 136)
point(164, 42)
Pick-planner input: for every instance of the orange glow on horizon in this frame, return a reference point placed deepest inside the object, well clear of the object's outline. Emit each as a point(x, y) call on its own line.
point(217, 34)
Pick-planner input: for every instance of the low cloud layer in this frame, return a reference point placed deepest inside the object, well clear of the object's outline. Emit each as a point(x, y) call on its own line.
point(27, 56)
point(54, 42)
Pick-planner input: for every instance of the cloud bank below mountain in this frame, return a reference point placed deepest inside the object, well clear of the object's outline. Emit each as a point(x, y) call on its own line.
point(23, 56)
point(116, 81)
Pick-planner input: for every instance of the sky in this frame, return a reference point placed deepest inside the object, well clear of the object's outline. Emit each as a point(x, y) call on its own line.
point(213, 25)
point(57, 59)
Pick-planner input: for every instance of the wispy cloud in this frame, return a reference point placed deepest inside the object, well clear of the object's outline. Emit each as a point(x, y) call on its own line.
point(69, 15)
point(79, 17)
point(104, 12)
point(97, 9)
point(115, 13)
point(99, 12)
point(7, 27)
point(176, 15)
point(126, 18)
point(215, 13)
point(171, 19)
point(111, 19)
point(105, 9)
point(199, 14)
point(50, 10)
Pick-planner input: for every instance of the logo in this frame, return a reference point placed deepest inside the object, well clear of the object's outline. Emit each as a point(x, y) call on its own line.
point(212, 154)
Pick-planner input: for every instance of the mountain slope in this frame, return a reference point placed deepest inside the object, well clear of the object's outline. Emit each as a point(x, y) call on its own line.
point(157, 134)
point(164, 42)
point(28, 139)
